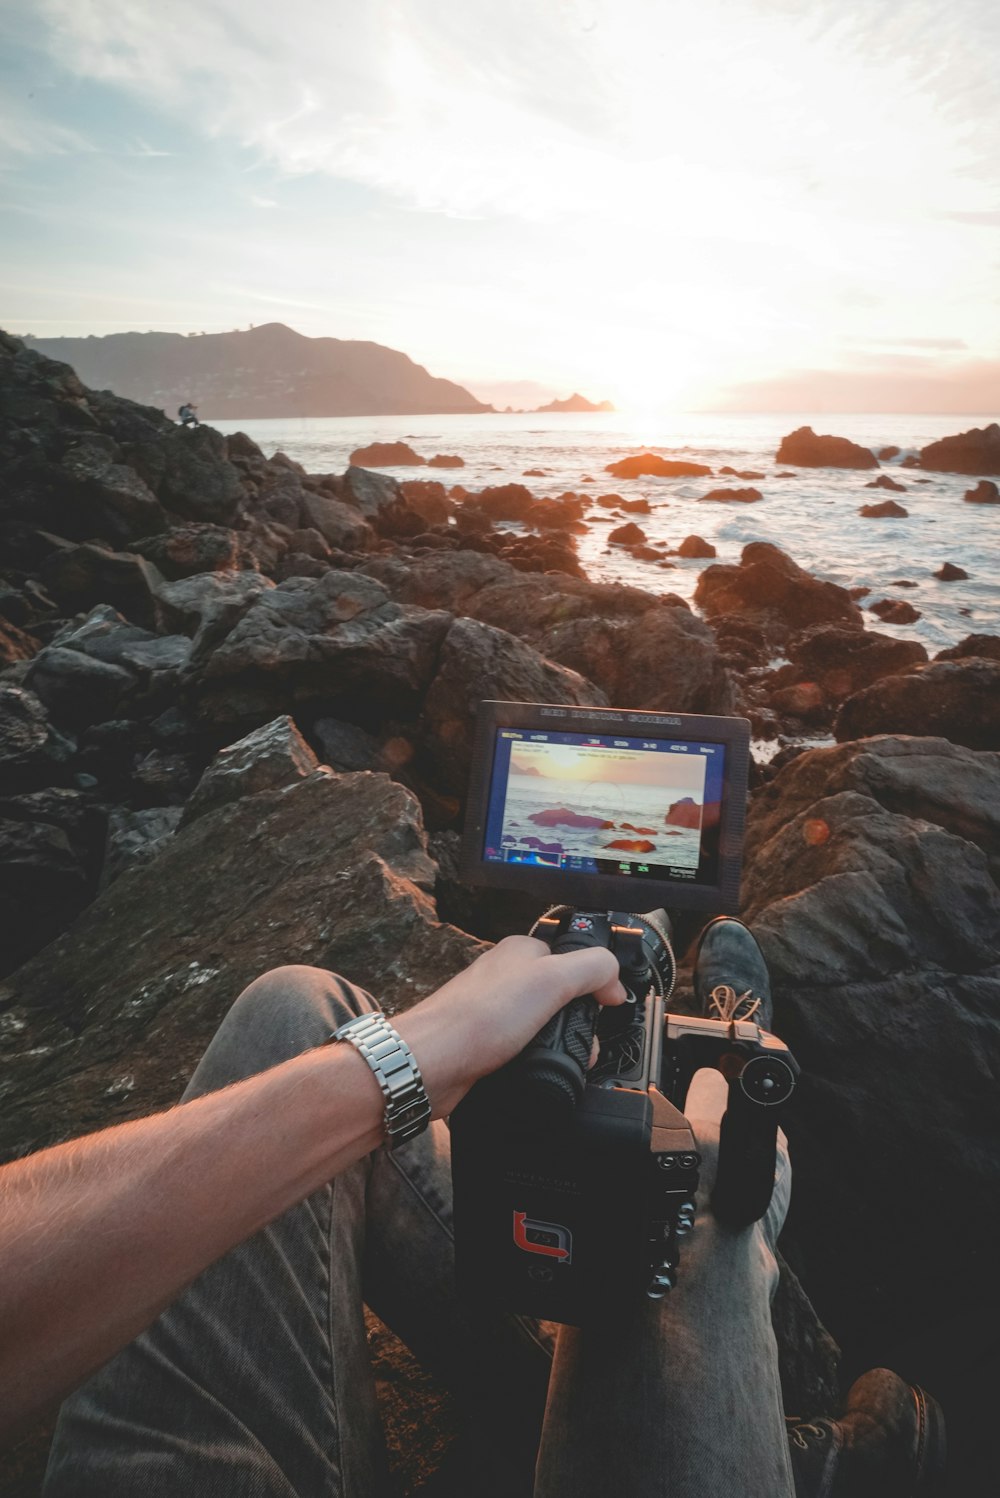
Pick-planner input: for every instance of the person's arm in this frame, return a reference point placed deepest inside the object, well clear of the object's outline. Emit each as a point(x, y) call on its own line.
point(97, 1236)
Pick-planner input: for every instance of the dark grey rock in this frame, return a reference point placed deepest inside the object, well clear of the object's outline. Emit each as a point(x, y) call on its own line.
point(271, 756)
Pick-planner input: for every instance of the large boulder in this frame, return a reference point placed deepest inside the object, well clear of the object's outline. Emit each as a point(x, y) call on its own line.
point(987, 646)
point(770, 589)
point(887, 508)
point(190, 471)
point(339, 524)
point(381, 502)
point(641, 464)
point(82, 576)
point(842, 661)
point(323, 643)
point(188, 604)
point(387, 455)
point(985, 493)
point(958, 699)
point(503, 501)
point(117, 503)
point(805, 449)
point(975, 451)
point(746, 496)
point(478, 663)
point(189, 549)
point(331, 871)
point(868, 883)
point(271, 756)
point(51, 847)
point(76, 688)
point(666, 660)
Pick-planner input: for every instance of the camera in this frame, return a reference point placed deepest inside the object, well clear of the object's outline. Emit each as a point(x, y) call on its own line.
point(573, 1185)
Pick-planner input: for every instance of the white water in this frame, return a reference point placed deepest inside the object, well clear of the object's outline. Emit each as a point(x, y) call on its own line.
point(812, 516)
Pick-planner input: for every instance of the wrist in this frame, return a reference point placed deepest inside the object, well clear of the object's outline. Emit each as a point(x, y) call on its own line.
point(436, 1042)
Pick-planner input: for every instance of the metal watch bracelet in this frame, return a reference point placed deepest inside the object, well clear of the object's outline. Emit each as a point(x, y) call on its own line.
point(407, 1106)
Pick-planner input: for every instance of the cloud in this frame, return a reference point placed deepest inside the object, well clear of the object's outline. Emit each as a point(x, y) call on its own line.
point(259, 202)
point(942, 344)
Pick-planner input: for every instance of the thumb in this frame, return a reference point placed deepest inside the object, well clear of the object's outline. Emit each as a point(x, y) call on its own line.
point(591, 970)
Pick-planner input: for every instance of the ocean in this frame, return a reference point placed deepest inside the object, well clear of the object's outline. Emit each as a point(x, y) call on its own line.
point(813, 516)
point(636, 812)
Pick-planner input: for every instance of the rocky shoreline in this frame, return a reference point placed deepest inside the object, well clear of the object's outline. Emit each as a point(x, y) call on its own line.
point(236, 703)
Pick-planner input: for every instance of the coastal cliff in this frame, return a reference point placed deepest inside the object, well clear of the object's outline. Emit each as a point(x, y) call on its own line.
point(265, 371)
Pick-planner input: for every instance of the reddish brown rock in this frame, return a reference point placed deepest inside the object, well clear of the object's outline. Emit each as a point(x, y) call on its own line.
point(650, 463)
point(949, 573)
point(888, 507)
point(628, 534)
point(446, 460)
point(885, 482)
point(731, 497)
point(807, 450)
point(954, 699)
point(633, 845)
point(387, 455)
point(895, 611)
point(985, 493)
point(976, 451)
point(696, 546)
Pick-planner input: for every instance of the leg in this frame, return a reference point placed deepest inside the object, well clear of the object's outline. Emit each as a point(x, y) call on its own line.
point(256, 1380)
point(683, 1399)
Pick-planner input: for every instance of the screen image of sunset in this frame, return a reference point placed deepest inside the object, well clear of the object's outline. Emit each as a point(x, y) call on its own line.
point(592, 802)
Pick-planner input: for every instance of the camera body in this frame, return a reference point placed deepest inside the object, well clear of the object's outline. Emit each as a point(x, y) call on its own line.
point(571, 1197)
point(573, 1186)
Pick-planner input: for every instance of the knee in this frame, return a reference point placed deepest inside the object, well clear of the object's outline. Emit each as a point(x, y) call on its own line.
point(279, 1015)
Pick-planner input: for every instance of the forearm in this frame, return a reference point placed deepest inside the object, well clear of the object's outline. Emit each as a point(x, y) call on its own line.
point(98, 1235)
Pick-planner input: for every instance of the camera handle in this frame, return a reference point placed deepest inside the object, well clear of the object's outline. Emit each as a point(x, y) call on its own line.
point(552, 1071)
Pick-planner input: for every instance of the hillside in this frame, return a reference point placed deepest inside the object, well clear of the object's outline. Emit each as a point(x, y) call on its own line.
point(577, 402)
point(266, 371)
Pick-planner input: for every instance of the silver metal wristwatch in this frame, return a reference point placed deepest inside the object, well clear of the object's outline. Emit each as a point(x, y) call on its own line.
point(407, 1106)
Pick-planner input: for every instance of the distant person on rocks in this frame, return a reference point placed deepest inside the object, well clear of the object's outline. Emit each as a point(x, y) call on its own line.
point(188, 415)
point(237, 1237)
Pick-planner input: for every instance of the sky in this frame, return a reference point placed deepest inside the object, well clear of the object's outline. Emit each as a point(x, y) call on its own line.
point(673, 772)
point(673, 204)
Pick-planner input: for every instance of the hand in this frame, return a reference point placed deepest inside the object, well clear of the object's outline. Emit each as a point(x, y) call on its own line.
point(485, 1015)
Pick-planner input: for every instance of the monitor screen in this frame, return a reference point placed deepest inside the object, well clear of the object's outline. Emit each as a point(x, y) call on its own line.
point(626, 805)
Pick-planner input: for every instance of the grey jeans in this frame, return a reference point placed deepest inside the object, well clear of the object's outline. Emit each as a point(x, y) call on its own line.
point(256, 1383)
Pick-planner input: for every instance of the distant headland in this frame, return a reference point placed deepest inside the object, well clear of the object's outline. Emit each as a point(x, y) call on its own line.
point(265, 371)
point(577, 402)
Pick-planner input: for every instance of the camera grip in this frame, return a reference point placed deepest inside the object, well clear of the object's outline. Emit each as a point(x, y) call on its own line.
point(552, 1070)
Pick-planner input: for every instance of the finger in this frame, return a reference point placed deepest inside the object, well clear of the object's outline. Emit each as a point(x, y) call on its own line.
point(592, 970)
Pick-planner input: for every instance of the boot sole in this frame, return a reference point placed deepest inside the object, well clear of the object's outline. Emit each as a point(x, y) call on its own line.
point(932, 1445)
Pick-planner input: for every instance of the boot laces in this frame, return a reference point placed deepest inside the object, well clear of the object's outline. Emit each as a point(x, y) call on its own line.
point(729, 1005)
point(799, 1434)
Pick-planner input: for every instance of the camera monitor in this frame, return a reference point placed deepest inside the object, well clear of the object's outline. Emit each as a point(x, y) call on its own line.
point(608, 808)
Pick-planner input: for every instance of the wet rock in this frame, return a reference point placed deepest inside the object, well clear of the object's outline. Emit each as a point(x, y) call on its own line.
point(886, 508)
point(563, 513)
point(340, 524)
point(842, 661)
point(610, 501)
point(271, 756)
point(804, 700)
point(731, 497)
point(696, 546)
point(807, 450)
point(428, 499)
point(381, 502)
point(665, 659)
point(949, 573)
point(320, 642)
point(163, 778)
point(955, 699)
point(387, 455)
point(985, 493)
point(976, 451)
point(628, 534)
point(503, 501)
point(867, 881)
point(886, 454)
point(769, 588)
point(895, 611)
point(641, 464)
point(987, 646)
point(885, 482)
point(83, 576)
point(553, 552)
point(135, 837)
point(478, 662)
point(741, 473)
point(446, 460)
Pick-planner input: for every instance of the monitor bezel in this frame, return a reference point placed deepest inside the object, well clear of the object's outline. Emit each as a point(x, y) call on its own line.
point(610, 891)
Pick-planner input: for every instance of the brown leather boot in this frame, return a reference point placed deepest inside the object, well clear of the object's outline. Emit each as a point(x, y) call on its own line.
point(889, 1443)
